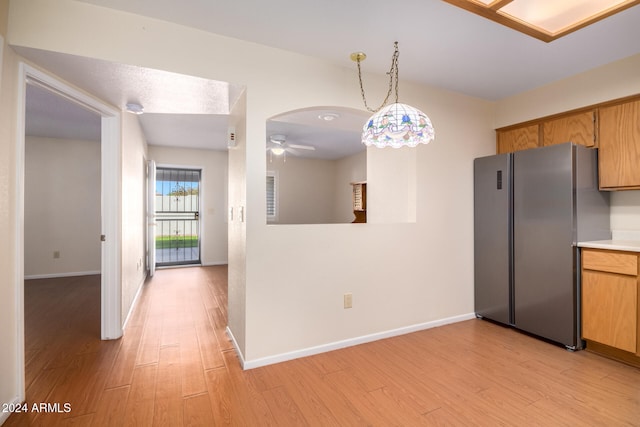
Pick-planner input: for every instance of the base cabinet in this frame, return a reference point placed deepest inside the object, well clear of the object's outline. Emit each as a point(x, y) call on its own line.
point(609, 309)
point(610, 301)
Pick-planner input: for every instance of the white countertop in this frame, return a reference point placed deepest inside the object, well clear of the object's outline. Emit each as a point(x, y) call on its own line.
point(614, 245)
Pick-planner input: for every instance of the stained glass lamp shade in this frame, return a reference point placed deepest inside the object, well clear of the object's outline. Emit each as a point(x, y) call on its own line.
point(398, 125)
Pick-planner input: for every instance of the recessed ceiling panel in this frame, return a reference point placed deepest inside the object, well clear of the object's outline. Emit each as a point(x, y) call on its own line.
point(555, 16)
point(546, 20)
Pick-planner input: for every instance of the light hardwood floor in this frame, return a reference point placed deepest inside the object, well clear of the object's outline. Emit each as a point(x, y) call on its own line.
point(175, 366)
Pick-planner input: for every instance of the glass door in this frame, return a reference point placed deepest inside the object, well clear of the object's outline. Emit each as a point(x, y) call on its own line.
point(177, 237)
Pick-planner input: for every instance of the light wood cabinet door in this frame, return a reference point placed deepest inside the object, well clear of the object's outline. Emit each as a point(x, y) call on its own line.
point(609, 309)
point(619, 146)
point(610, 261)
point(577, 128)
point(517, 139)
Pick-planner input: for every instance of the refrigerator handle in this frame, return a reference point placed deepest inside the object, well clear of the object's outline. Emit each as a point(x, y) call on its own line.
point(499, 180)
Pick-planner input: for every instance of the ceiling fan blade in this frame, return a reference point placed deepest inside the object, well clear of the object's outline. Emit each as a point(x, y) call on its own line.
point(302, 147)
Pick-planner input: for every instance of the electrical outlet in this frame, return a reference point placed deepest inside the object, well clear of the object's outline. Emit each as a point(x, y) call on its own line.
point(56, 254)
point(348, 300)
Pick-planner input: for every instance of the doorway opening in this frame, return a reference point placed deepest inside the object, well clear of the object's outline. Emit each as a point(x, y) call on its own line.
point(110, 295)
point(62, 228)
point(177, 216)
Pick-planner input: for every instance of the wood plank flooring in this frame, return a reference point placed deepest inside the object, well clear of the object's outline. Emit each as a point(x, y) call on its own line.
point(176, 367)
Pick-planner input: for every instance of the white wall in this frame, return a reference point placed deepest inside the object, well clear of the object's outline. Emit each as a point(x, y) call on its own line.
point(625, 210)
point(304, 189)
point(414, 273)
point(237, 227)
point(8, 311)
point(611, 81)
point(392, 189)
point(134, 223)
point(615, 80)
point(213, 192)
point(62, 207)
point(316, 191)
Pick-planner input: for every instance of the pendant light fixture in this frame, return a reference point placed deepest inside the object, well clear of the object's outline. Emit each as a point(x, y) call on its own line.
point(396, 125)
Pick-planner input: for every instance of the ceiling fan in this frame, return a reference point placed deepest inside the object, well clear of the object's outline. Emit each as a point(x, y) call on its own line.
point(278, 146)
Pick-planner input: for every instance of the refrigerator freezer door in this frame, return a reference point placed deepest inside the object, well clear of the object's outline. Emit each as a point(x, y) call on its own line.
point(544, 268)
point(592, 206)
point(492, 237)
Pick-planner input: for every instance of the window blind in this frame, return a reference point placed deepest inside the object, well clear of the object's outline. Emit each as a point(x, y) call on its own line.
point(271, 196)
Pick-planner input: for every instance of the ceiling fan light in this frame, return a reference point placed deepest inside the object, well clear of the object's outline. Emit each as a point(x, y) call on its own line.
point(398, 125)
point(278, 151)
point(134, 108)
point(328, 117)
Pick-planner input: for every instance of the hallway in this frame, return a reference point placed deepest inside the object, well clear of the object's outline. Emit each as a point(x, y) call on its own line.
point(174, 336)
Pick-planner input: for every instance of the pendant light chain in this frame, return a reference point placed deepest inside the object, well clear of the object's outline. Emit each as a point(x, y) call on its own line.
point(393, 75)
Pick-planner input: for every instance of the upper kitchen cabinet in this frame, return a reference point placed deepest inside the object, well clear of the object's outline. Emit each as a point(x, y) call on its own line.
point(619, 143)
point(516, 139)
point(578, 128)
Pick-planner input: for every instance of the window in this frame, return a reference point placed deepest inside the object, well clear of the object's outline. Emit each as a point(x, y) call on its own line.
point(271, 196)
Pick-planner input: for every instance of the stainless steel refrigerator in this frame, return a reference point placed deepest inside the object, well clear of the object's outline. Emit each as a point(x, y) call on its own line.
point(530, 210)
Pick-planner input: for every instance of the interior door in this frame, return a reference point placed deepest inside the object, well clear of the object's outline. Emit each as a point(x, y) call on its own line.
point(151, 217)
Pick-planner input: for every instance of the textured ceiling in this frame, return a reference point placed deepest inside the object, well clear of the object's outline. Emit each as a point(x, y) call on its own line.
point(179, 110)
point(440, 45)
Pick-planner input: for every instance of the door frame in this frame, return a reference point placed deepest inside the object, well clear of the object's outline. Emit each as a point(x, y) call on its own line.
point(110, 295)
point(151, 217)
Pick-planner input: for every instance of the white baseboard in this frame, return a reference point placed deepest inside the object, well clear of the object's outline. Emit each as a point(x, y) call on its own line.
point(57, 275)
point(235, 345)
point(211, 264)
point(202, 264)
point(5, 415)
point(134, 302)
point(310, 351)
